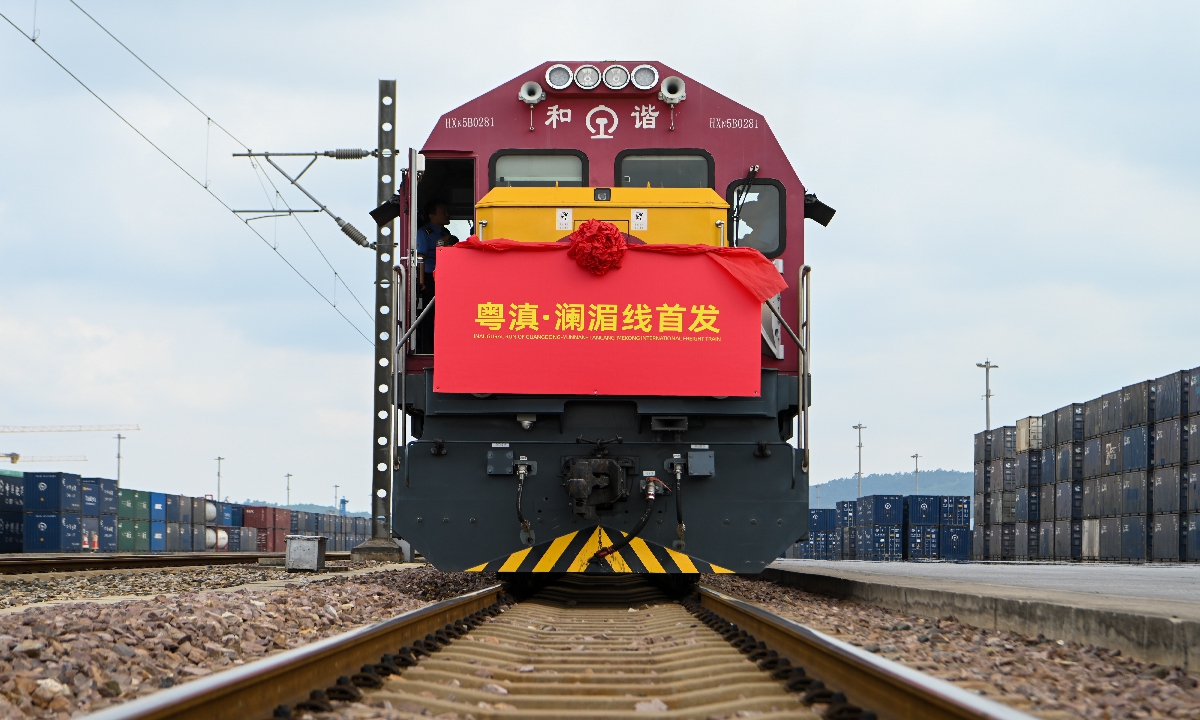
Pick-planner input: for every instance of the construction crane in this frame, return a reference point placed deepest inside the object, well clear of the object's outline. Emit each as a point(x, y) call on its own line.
point(64, 428)
point(16, 457)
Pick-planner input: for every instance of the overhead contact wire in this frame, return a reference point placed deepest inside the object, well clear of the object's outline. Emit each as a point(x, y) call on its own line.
point(185, 172)
point(160, 77)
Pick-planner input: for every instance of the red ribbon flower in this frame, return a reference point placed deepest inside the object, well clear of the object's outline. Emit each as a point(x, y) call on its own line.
point(597, 246)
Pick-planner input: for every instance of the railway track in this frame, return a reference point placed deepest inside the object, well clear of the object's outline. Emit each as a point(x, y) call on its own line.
point(581, 648)
point(14, 564)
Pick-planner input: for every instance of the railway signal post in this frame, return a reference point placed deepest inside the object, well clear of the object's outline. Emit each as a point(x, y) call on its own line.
point(382, 546)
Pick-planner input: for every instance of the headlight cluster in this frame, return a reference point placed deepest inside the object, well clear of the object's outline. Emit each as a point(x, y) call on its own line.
point(589, 77)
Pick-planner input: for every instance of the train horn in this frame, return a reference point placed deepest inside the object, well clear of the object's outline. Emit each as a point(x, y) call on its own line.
point(532, 93)
point(672, 91)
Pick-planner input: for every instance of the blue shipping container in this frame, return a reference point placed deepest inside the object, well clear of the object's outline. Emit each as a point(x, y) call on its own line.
point(1135, 495)
point(817, 521)
point(845, 513)
point(954, 542)
point(921, 542)
point(1069, 463)
point(89, 499)
point(53, 532)
point(107, 494)
point(52, 492)
point(1133, 537)
point(235, 539)
point(1029, 505)
point(1167, 448)
point(12, 532)
point(185, 509)
point(879, 542)
point(158, 511)
point(158, 531)
point(108, 534)
point(12, 493)
point(1047, 466)
point(880, 510)
point(922, 510)
point(1135, 455)
point(224, 514)
point(1168, 396)
point(237, 519)
point(173, 508)
point(955, 510)
point(1192, 529)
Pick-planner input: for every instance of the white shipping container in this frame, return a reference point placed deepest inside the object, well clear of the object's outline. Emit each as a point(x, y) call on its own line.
point(1029, 434)
point(1091, 539)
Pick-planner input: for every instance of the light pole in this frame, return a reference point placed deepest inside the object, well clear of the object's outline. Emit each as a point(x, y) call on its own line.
point(988, 367)
point(860, 427)
point(119, 438)
point(916, 474)
point(289, 489)
point(335, 489)
point(219, 459)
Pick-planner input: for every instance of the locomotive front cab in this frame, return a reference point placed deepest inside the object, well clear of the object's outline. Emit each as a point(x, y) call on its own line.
point(649, 481)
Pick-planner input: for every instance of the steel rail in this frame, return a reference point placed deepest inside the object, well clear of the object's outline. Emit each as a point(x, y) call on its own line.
point(13, 564)
point(254, 690)
point(889, 689)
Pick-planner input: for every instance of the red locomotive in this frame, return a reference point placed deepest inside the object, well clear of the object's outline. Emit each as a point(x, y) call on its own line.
point(624, 405)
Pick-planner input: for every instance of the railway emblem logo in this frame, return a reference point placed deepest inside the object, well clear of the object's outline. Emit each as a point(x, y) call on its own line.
point(604, 133)
point(42, 486)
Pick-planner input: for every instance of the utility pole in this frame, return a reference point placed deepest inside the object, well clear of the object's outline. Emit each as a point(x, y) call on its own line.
point(860, 427)
point(119, 438)
point(219, 459)
point(385, 456)
point(916, 474)
point(289, 489)
point(988, 367)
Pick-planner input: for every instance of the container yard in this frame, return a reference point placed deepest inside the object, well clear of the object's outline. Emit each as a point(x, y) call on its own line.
point(57, 512)
point(1112, 479)
point(889, 528)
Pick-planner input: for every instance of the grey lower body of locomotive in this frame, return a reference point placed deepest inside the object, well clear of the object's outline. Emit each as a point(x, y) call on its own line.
point(744, 492)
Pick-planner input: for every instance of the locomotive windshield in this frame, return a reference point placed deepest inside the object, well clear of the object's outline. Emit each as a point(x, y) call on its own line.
point(514, 169)
point(659, 169)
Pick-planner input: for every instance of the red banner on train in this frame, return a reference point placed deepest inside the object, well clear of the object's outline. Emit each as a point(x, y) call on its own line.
point(537, 323)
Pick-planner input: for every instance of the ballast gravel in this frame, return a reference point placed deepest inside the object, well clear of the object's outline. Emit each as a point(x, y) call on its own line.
point(1044, 677)
point(81, 586)
point(60, 660)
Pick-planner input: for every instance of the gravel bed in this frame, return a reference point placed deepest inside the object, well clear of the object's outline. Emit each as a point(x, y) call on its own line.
point(60, 660)
point(1044, 677)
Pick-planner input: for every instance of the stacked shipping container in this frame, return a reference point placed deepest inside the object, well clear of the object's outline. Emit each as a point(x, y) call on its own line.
point(1114, 478)
point(61, 512)
point(890, 527)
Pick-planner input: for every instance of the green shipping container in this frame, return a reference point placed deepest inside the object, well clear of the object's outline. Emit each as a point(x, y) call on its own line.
point(141, 506)
point(125, 501)
point(125, 532)
point(141, 531)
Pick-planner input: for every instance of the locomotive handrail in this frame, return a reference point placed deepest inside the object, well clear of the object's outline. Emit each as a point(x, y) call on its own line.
point(804, 300)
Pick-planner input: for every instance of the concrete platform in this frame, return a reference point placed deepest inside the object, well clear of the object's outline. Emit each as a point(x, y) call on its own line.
point(1151, 612)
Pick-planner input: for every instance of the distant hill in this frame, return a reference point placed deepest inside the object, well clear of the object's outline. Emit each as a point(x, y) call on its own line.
point(308, 507)
point(933, 482)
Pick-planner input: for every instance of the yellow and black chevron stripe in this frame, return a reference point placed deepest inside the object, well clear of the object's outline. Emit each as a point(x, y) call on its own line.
point(570, 553)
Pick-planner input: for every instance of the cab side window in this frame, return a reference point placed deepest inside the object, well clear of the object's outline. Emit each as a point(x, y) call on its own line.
point(757, 215)
point(664, 168)
point(539, 168)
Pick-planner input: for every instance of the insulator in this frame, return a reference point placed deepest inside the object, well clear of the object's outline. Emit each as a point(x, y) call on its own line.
point(347, 154)
point(353, 233)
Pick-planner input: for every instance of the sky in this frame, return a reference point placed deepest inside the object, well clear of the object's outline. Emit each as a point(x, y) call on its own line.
point(1014, 181)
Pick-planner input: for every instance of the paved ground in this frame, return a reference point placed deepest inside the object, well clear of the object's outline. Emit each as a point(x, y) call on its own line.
point(1155, 581)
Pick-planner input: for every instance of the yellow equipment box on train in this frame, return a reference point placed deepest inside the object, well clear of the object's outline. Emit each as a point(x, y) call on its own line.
point(690, 216)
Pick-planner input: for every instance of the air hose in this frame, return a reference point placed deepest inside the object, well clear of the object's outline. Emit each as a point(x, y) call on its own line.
point(521, 491)
point(619, 545)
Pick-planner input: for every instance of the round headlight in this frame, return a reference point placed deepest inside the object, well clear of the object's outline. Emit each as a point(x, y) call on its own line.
point(645, 77)
point(559, 77)
point(587, 77)
point(616, 77)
